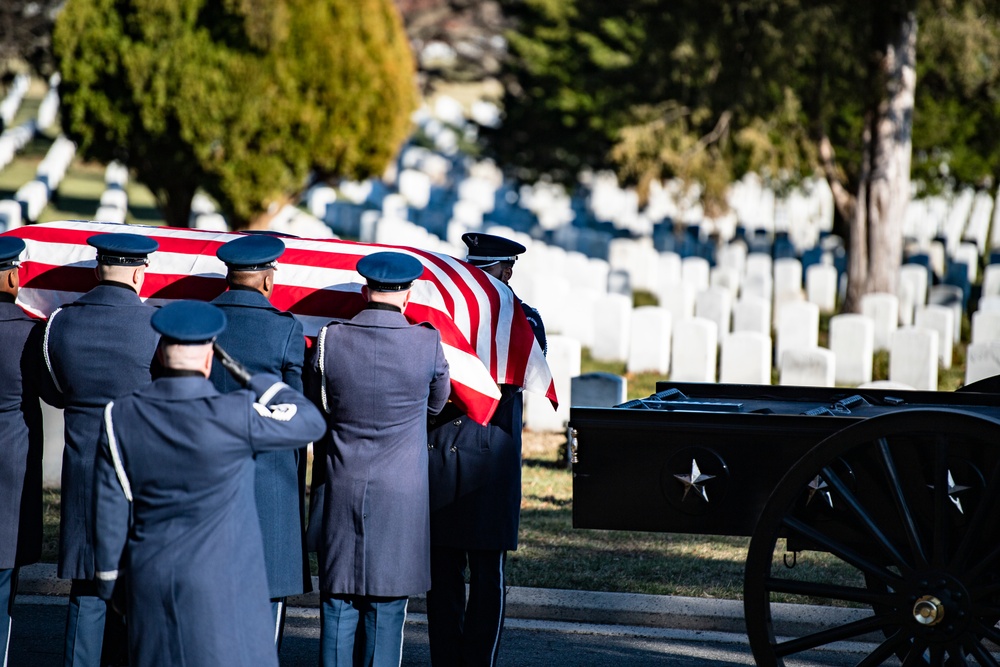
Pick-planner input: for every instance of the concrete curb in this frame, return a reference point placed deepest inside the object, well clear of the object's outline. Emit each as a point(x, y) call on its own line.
point(653, 611)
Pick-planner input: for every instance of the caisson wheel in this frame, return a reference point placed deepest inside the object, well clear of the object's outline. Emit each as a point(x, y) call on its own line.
point(895, 522)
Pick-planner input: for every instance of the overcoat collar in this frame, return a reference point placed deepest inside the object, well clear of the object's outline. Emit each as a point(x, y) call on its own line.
point(390, 319)
point(180, 388)
point(110, 295)
point(242, 297)
point(11, 311)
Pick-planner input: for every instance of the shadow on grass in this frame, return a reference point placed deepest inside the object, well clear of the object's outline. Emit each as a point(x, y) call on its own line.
point(145, 215)
point(544, 464)
point(84, 207)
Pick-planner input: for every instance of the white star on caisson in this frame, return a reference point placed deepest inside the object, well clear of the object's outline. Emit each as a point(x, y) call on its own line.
point(696, 480)
point(818, 485)
point(954, 489)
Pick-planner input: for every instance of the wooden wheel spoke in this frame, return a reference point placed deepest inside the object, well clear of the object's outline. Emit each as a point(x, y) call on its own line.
point(828, 591)
point(985, 592)
point(902, 507)
point(864, 517)
point(941, 505)
point(985, 511)
point(983, 657)
point(842, 551)
point(983, 564)
point(884, 650)
point(916, 654)
point(831, 635)
point(989, 632)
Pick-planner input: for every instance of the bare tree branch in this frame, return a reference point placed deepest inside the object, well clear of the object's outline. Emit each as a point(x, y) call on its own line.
point(845, 202)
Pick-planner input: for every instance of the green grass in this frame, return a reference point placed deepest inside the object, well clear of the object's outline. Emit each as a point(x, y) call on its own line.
point(554, 555)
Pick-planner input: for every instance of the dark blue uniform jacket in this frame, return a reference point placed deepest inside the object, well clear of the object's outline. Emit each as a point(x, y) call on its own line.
point(97, 348)
point(475, 471)
point(176, 515)
point(267, 340)
point(20, 437)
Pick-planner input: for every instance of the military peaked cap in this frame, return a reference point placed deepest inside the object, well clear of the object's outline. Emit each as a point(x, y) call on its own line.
point(390, 271)
point(122, 249)
point(486, 249)
point(189, 322)
point(11, 248)
point(254, 252)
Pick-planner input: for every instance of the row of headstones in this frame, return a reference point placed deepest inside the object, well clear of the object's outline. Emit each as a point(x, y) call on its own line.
point(12, 100)
point(913, 364)
point(113, 206)
point(48, 108)
point(34, 196)
point(13, 140)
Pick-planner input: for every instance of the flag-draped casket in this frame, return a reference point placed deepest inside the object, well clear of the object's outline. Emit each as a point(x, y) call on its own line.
point(487, 339)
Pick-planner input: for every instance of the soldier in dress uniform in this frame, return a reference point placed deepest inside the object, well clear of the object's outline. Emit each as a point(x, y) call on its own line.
point(175, 513)
point(96, 349)
point(21, 443)
point(477, 524)
point(376, 377)
point(267, 340)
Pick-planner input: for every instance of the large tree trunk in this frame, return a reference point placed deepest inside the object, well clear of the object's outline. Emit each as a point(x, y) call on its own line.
point(885, 193)
point(175, 204)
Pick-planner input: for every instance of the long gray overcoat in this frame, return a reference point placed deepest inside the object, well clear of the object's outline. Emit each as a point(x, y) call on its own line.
point(377, 377)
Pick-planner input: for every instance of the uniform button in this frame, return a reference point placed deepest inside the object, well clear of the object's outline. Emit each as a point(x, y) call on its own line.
point(458, 422)
point(364, 516)
point(430, 446)
point(454, 448)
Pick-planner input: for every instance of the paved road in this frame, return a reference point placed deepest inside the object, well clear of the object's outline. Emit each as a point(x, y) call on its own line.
point(39, 621)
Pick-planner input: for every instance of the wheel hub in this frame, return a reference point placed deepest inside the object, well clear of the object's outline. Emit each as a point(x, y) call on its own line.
point(928, 610)
point(941, 605)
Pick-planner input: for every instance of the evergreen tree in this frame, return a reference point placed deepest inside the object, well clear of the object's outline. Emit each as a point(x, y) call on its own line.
point(245, 98)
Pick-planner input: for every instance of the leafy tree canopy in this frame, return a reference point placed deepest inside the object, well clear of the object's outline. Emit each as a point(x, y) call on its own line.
point(709, 89)
point(244, 98)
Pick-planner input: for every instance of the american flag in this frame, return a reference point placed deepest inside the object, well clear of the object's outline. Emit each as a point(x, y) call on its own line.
point(486, 337)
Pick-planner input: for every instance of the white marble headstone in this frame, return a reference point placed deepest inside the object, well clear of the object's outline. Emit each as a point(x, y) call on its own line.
point(746, 358)
point(716, 304)
point(798, 326)
point(985, 326)
point(821, 287)
point(852, 340)
point(913, 358)
point(726, 277)
point(991, 280)
point(808, 367)
point(678, 298)
point(752, 313)
point(694, 352)
point(649, 346)
point(982, 360)
point(581, 323)
point(883, 309)
point(942, 320)
point(612, 328)
point(694, 272)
